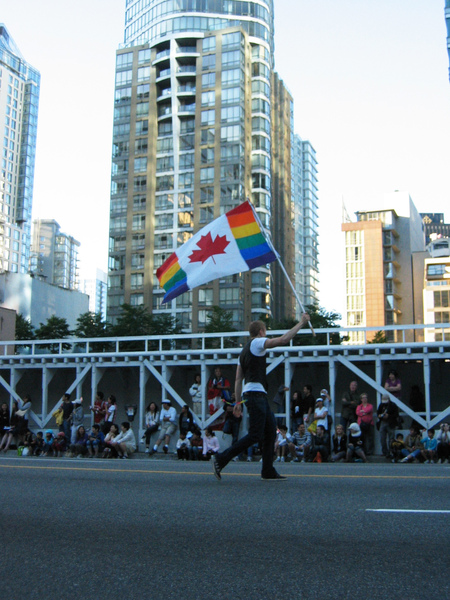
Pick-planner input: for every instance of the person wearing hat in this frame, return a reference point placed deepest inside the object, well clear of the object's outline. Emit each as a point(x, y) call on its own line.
point(355, 444)
point(387, 414)
point(168, 421)
point(321, 413)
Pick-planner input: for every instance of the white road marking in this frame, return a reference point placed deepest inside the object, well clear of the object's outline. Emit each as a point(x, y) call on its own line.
point(405, 510)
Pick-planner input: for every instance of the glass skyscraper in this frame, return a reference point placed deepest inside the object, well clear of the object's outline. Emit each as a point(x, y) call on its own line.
point(197, 109)
point(19, 102)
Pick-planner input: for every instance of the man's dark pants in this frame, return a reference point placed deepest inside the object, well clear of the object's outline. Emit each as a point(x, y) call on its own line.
point(262, 428)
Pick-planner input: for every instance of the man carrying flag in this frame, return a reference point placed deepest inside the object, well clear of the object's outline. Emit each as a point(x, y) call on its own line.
point(262, 426)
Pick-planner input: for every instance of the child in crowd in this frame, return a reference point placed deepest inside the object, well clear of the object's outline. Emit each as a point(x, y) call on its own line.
point(339, 451)
point(48, 443)
point(183, 446)
point(210, 444)
point(95, 441)
point(355, 444)
point(281, 443)
point(28, 439)
point(60, 444)
point(397, 447)
point(37, 444)
point(429, 446)
point(196, 445)
point(109, 451)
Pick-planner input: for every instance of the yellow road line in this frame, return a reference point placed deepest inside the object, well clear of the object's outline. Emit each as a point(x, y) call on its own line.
point(226, 473)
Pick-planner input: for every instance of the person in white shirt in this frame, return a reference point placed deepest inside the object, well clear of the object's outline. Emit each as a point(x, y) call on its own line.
point(168, 421)
point(262, 425)
point(125, 442)
point(195, 392)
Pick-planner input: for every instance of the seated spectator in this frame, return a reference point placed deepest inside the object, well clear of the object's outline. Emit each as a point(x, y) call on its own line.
point(168, 422)
point(413, 446)
point(78, 448)
point(210, 444)
point(109, 450)
point(48, 443)
point(321, 440)
point(28, 440)
point(364, 412)
point(4, 420)
point(339, 450)
point(355, 444)
point(196, 445)
point(281, 444)
point(300, 444)
point(397, 447)
point(60, 444)
point(183, 446)
point(95, 441)
point(125, 442)
point(429, 446)
point(151, 424)
point(10, 430)
point(186, 422)
point(443, 443)
point(37, 445)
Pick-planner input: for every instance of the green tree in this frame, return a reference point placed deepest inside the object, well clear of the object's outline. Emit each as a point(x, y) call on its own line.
point(92, 325)
point(219, 320)
point(56, 328)
point(24, 328)
point(378, 338)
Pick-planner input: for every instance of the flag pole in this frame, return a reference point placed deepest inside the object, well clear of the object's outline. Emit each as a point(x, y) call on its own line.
point(269, 241)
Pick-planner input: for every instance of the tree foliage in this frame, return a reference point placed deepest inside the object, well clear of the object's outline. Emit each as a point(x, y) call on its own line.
point(56, 328)
point(24, 328)
point(219, 320)
point(91, 325)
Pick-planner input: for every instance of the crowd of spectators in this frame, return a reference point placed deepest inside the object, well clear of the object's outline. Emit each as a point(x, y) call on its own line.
point(313, 438)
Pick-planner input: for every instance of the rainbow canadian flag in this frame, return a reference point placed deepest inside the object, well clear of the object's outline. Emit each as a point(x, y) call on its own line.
point(231, 244)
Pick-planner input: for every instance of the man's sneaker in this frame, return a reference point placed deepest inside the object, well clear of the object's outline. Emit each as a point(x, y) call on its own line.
point(278, 459)
point(166, 449)
point(236, 459)
point(296, 460)
point(249, 459)
point(275, 477)
point(216, 468)
point(282, 459)
point(147, 450)
point(404, 460)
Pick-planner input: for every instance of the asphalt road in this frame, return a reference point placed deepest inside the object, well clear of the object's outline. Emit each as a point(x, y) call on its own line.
point(162, 530)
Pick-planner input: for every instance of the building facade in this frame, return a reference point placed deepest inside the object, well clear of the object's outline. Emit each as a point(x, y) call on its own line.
point(436, 293)
point(96, 288)
point(306, 222)
point(194, 116)
point(447, 21)
point(434, 226)
point(54, 255)
point(19, 102)
point(380, 271)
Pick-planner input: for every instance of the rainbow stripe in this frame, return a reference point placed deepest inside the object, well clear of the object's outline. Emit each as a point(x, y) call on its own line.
point(172, 278)
point(251, 242)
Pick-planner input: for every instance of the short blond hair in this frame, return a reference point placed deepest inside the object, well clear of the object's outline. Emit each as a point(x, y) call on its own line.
point(255, 327)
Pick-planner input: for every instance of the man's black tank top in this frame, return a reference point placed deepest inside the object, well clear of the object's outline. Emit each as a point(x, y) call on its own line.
point(254, 367)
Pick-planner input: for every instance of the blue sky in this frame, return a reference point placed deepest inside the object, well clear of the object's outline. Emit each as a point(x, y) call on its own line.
point(370, 87)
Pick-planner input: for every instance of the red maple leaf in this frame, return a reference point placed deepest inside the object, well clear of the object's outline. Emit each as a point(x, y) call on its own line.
point(208, 248)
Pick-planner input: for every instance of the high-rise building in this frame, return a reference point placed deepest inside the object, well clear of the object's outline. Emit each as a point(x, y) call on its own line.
point(198, 113)
point(19, 101)
point(435, 226)
point(96, 288)
point(447, 20)
point(436, 293)
point(306, 222)
point(380, 271)
point(54, 255)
